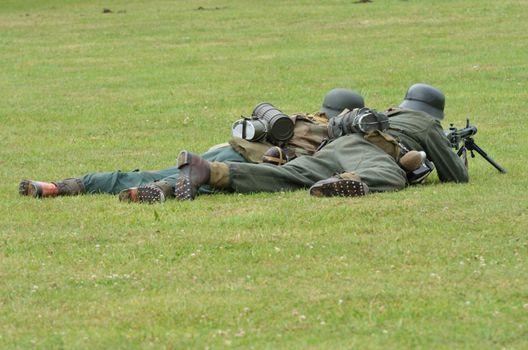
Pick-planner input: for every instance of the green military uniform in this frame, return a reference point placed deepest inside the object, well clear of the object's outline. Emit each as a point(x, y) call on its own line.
point(309, 132)
point(354, 154)
point(419, 131)
point(350, 153)
point(115, 181)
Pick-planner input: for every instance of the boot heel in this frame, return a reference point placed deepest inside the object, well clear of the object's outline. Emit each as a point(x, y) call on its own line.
point(184, 158)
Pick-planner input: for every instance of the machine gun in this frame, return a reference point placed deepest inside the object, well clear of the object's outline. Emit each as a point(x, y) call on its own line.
point(456, 136)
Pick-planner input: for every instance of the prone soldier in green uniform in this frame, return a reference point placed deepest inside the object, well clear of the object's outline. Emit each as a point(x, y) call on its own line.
point(351, 165)
point(156, 186)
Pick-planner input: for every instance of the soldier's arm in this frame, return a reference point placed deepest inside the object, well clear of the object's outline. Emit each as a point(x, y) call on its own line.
point(448, 165)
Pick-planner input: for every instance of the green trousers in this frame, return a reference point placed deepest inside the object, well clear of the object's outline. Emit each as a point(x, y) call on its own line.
point(349, 153)
point(116, 181)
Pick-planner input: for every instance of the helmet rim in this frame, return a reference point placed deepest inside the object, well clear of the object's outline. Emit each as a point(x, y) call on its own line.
point(424, 107)
point(336, 100)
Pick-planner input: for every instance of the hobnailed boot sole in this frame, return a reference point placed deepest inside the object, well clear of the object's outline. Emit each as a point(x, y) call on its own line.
point(27, 188)
point(339, 188)
point(185, 189)
point(144, 194)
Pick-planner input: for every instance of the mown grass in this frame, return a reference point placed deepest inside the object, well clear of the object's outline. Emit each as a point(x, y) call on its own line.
point(434, 266)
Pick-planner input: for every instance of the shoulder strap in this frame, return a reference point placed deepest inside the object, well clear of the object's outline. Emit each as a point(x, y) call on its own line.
point(393, 111)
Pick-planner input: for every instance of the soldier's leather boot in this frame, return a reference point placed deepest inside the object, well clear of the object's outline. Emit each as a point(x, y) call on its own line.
point(194, 172)
point(412, 160)
point(41, 189)
point(156, 192)
point(275, 155)
point(342, 185)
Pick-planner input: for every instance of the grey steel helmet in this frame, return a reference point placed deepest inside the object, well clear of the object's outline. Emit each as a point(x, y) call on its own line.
point(336, 100)
point(425, 98)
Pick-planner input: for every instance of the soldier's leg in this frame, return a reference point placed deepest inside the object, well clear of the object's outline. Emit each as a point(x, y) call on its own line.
point(298, 173)
point(220, 154)
point(351, 154)
point(67, 187)
point(375, 167)
point(365, 167)
point(246, 178)
point(116, 181)
point(162, 189)
point(223, 154)
point(100, 182)
point(346, 154)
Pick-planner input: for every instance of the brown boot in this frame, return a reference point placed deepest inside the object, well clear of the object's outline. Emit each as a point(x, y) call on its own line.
point(156, 192)
point(194, 172)
point(343, 185)
point(41, 189)
point(412, 160)
point(275, 155)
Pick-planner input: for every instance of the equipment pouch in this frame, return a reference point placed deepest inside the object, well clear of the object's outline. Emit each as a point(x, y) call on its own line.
point(251, 151)
point(384, 141)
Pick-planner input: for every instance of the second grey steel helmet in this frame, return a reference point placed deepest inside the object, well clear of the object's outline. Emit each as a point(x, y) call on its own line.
point(336, 100)
point(425, 98)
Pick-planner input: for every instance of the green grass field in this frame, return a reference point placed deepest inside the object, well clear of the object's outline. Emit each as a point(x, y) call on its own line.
point(438, 266)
